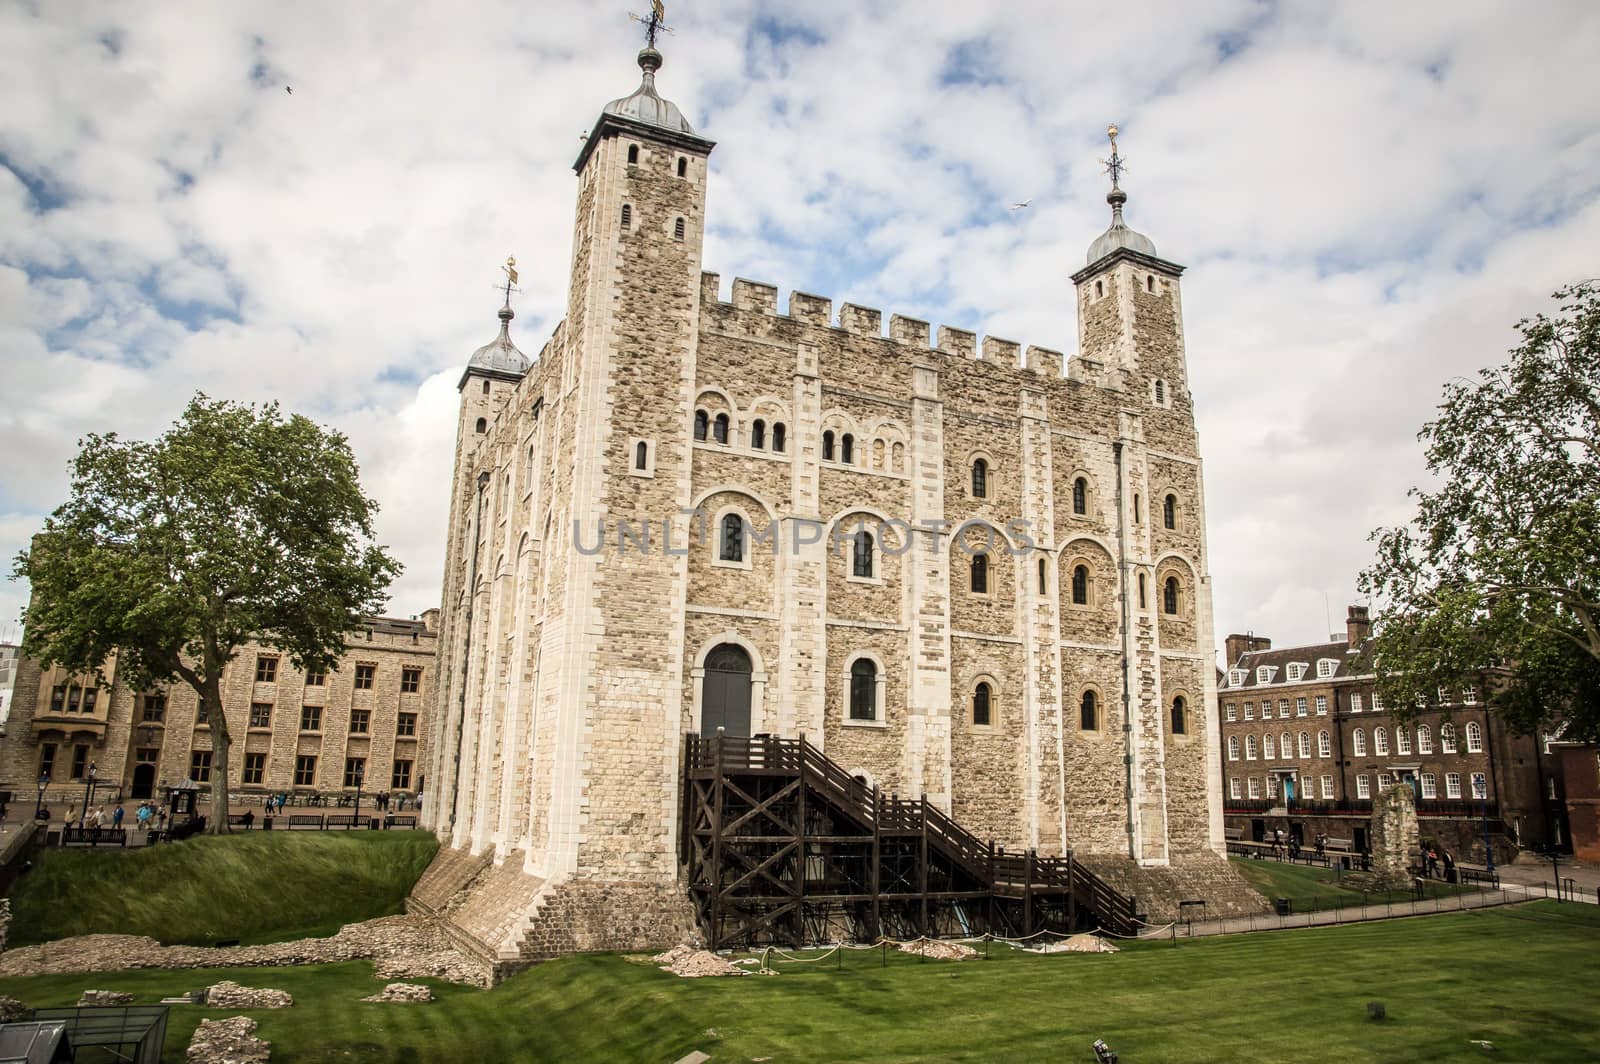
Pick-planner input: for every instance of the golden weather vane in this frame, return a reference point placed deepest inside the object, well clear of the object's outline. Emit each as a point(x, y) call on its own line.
point(510, 284)
point(1114, 165)
point(654, 24)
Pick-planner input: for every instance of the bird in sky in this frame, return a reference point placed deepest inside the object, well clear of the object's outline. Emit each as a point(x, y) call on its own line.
point(289, 89)
point(1020, 206)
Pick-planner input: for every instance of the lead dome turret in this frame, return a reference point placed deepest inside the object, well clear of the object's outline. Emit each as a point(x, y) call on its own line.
point(646, 105)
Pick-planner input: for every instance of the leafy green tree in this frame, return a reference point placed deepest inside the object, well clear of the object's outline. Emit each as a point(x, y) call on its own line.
point(1498, 575)
point(236, 524)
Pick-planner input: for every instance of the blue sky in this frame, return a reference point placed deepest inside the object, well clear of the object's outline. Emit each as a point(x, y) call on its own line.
point(1367, 198)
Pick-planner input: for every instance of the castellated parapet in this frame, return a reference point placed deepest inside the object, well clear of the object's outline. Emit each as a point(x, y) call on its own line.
point(963, 569)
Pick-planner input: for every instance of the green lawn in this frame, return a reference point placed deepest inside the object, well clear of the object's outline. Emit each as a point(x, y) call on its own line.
point(255, 887)
point(1310, 888)
point(1519, 977)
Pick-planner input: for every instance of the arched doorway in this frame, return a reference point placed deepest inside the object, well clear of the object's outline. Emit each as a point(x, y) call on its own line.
point(725, 694)
point(144, 781)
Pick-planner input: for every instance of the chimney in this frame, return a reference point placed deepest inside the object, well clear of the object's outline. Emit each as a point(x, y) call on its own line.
point(1357, 626)
point(1244, 644)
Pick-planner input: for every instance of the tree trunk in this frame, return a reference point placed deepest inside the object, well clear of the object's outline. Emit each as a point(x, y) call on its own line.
point(211, 698)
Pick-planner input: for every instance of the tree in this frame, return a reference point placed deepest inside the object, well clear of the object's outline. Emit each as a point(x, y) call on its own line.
point(236, 524)
point(1499, 572)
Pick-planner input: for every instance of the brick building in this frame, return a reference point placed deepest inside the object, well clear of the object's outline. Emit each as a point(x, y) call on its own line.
point(965, 570)
point(292, 731)
point(1307, 743)
point(1580, 794)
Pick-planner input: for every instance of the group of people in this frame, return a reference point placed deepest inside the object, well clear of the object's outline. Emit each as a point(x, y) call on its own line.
point(1283, 843)
point(146, 815)
point(1433, 858)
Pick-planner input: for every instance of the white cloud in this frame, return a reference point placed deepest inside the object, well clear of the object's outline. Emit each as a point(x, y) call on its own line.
point(1367, 198)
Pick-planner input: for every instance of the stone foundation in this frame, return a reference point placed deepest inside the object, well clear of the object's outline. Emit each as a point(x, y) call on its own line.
point(581, 916)
point(1190, 877)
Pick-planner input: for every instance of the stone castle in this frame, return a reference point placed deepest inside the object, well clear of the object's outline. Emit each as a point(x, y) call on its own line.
point(963, 570)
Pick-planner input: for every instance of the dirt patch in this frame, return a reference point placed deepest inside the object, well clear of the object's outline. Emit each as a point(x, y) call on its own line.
point(938, 949)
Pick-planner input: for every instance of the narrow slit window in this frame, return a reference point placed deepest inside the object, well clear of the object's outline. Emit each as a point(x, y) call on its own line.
point(758, 434)
point(1088, 712)
point(683, 167)
point(827, 446)
point(677, 229)
point(777, 437)
point(1080, 496)
point(1169, 512)
point(980, 574)
point(980, 479)
point(641, 455)
point(1080, 585)
point(861, 562)
point(633, 154)
point(1043, 576)
point(627, 217)
point(980, 705)
point(847, 449)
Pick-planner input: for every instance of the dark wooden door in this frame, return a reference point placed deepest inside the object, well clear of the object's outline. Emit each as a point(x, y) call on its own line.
point(725, 696)
point(144, 781)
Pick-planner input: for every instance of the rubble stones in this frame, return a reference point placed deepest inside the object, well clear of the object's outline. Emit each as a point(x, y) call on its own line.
point(92, 998)
point(400, 946)
point(12, 1010)
point(229, 1041)
point(403, 992)
point(230, 995)
point(691, 963)
point(1394, 838)
point(938, 950)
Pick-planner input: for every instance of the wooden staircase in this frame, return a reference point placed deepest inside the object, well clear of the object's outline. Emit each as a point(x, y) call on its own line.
point(781, 845)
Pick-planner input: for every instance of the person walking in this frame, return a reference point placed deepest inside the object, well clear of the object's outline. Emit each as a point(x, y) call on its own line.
point(116, 817)
point(142, 816)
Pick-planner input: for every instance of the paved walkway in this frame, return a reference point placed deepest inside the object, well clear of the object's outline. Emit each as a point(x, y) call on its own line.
point(1487, 898)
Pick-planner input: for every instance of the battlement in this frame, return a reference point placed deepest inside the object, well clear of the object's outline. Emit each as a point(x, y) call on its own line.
point(762, 298)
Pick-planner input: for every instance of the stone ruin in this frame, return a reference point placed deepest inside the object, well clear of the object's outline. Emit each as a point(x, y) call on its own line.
point(1395, 840)
point(405, 993)
point(230, 995)
point(229, 1041)
point(92, 998)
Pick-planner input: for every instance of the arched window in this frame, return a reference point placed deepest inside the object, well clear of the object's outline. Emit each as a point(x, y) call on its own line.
point(1141, 592)
point(1099, 288)
point(627, 217)
point(980, 479)
point(827, 446)
point(1447, 738)
point(980, 704)
point(1043, 578)
point(1424, 739)
point(485, 387)
point(732, 538)
point(1233, 748)
point(1358, 743)
point(702, 424)
point(633, 154)
point(1380, 742)
point(980, 574)
point(1286, 745)
point(1324, 744)
point(1080, 585)
point(777, 437)
point(1169, 511)
point(482, 425)
point(1089, 712)
point(1402, 740)
point(1180, 722)
point(1150, 282)
point(758, 434)
point(861, 554)
point(1474, 737)
point(1250, 748)
point(1080, 496)
point(1169, 595)
point(683, 167)
point(677, 229)
point(1161, 392)
point(847, 449)
point(1269, 747)
point(863, 690)
point(719, 429)
point(641, 455)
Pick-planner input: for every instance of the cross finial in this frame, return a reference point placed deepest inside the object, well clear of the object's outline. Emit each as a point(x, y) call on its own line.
point(654, 23)
point(1114, 165)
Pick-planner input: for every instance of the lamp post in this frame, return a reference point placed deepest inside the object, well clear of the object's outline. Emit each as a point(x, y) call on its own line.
point(38, 806)
point(360, 771)
point(88, 795)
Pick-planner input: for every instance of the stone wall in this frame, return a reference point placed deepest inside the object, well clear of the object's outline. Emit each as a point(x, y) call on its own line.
point(1193, 876)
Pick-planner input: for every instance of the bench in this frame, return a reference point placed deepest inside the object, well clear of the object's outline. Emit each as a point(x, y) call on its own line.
point(304, 820)
point(71, 836)
point(1233, 834)
point(242, 820)
point(1477, 874)
point(400, 822)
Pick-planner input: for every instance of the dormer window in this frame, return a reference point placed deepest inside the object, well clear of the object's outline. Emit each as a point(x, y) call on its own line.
point(1264, 673)
point(1326, 667)
point(1236, 677)
point(1296, 670)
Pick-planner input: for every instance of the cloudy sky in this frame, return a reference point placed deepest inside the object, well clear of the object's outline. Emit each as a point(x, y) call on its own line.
point(1367, 196)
